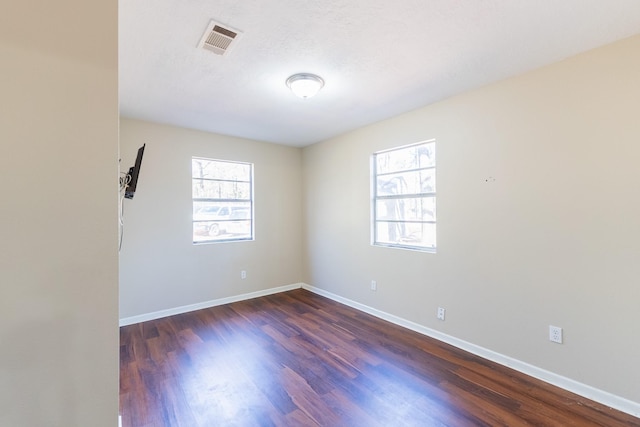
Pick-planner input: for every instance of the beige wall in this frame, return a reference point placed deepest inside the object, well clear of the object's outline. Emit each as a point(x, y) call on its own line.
point(160, 267)
point(554, 239)
point(58, 228)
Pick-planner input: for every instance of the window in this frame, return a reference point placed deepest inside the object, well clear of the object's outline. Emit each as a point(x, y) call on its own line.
point(404, 197)
point(222, 194)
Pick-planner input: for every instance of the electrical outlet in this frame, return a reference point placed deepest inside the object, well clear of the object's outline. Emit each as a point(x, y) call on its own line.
point(374, 285)
point(555, 334)
point(243, 274)
point(441, 313)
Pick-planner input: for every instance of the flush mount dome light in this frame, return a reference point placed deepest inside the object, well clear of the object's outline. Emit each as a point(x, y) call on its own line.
point(305, 85)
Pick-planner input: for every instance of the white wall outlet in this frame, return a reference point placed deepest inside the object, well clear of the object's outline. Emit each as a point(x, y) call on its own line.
point(555, 334)
point(441, 313)
point(243, 274)
point(374, 285)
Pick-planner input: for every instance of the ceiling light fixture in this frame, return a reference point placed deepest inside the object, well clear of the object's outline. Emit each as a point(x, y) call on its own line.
point(305, 85)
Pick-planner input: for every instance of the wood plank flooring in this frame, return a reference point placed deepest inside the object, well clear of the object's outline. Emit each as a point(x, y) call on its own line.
point(298, 359)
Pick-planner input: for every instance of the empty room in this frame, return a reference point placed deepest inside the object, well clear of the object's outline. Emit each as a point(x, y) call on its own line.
point(526, 117)
point(223, 213)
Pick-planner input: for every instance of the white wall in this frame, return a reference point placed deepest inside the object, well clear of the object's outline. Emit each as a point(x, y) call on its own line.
point(555, 239)
point(160, 267)
point(58, 228)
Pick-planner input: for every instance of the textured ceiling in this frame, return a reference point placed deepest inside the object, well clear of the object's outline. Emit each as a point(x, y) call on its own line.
point(378, 58)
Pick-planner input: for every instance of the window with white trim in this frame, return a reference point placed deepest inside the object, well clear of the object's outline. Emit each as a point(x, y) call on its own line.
point(222, 193)
point(404, 197)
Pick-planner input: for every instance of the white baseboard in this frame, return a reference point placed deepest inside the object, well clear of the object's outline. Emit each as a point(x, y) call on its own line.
point(600, 396)
point(207, 304)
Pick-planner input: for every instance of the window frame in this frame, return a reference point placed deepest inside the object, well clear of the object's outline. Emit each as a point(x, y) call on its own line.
point(221, 201)
point(375, 198)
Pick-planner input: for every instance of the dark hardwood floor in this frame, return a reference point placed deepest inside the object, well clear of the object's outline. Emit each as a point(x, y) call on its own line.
point(298, 359)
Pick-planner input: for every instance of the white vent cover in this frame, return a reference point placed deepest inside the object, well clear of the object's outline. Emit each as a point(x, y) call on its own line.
point(219, 38)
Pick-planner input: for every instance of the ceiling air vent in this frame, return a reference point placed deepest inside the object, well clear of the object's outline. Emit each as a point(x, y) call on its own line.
point(218, 38)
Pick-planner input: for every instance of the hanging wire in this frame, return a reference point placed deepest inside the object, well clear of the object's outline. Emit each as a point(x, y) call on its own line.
point(125, 179)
